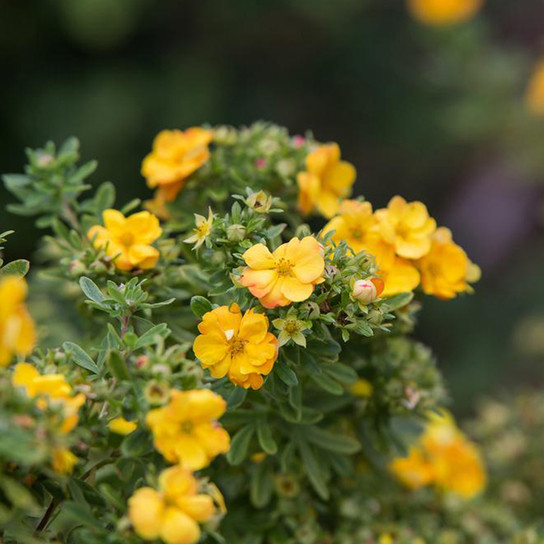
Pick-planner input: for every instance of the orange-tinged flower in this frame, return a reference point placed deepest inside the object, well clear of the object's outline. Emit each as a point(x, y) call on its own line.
point(50, 388)
point(172, 513)
point(443, 457)
point(176, 155)
point(446, 270)
point(236, 345)
point(186, 431)
point(535, 92)
point(325, 182)
point(443, 12)
point(289, 274)
point(17, 332)
point(407, 227)
point(128, 239)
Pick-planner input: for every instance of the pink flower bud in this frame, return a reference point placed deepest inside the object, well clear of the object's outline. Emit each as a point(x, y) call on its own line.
point(298, 141)
point(367, 291)
point(260, 163)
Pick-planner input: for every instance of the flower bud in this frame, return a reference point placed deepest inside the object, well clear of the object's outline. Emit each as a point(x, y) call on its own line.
point(77, 268)
point(260, 202)
point(236, 233)
point(157, 393)
point(367, 291)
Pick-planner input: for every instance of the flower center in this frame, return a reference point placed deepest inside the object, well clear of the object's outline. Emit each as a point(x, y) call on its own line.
point(291, 327)
point(127, 238)
point(357, 233)
point(187, 427)
point(283, 267)
point(237, 346)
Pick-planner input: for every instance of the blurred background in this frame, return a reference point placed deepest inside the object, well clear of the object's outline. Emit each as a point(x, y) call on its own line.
point(438, 100)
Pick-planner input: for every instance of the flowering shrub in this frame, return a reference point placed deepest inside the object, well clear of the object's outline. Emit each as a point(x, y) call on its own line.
point(236, 374)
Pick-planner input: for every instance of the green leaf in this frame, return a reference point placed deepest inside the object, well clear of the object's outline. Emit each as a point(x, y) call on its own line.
point(17, 268)
point(262, 485)
point(91, 290)
point(397, 301)
point(327, 440)
point(80, 513)
point(236, 397)
point(80, 357)
point(240, 444)
point(285, 373)
point(17, 494)
point(136, 444)
point(150, 336)
point(328, 384)
point(264, 434)
point(340, 372)
point(200, 306)
point(117, 366)
point(313, 469)
point(104, 197)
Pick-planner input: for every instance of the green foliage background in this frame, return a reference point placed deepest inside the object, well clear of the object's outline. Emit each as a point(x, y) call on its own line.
point(433, 114)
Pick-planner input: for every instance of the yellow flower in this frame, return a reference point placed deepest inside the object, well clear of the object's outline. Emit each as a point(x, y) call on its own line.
point(414, 471)
point(172, 513)
point(50, 388)
point(325, 182)
point(446, 269)
point(385, 538)
point(236, 345)
point(534, 97)
point(120, 425)
point(128, 239)
point(407, 227)
point(17, 332)
point(64, 461)
point(185, 431)
point(444, 457)
point(362, 231)
point(361, 388)
point(176, 155)
point(290, 274)
point(355, 224)
point(443, 12)
point(291, 329)
point(202, 229)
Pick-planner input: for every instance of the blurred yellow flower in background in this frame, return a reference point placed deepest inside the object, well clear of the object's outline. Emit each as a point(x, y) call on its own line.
point(186, 431)
point(17, 331)
point(535, 91)
point(236, 345)
point(446, 270)
point(444, 457)
point(64, 461)
point(51, 388)
point(176, 155)
point(443, 12)
point(325, 182)
point(172, 513)
point(289, 274)
point(122, 426)
point(128, 239)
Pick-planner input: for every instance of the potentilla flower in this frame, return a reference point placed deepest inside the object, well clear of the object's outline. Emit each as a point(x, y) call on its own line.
point(444, 457)
point(407, 227)
point(186, 431)
point(64, 461)
point(291, 329)
point(50, 389)
point(325, 182)
point(235, 345)
point(128, 239)
point(176, 155)
point(17, 332)
point(446, 270)
point(289, 274)
point(122, 426)
point(399, 276)
point(368, 290)
point(202, 229)
point(443, 12)
point(259, 202)
point(172, 513)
